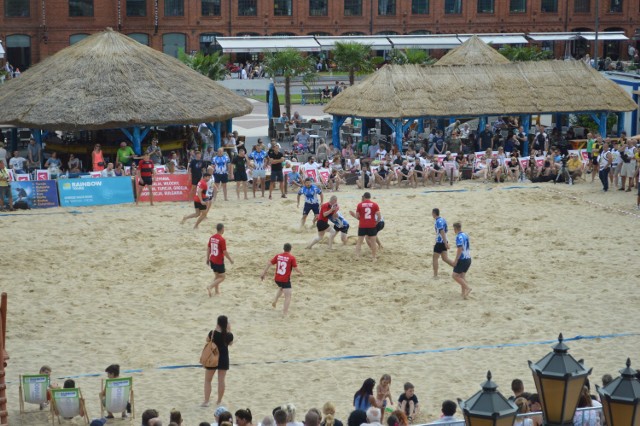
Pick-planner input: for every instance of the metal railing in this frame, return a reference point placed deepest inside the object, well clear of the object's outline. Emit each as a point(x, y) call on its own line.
point(588, 416)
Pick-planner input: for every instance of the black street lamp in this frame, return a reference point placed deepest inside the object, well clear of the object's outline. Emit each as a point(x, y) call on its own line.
point(559, 379)
point(621, 399)
point(488, 407)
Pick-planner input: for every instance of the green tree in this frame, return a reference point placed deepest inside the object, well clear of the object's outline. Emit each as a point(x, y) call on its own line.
point(528, 53)
point(213, 65)
point(289, 63)
point(410, 56)
point(355, 58)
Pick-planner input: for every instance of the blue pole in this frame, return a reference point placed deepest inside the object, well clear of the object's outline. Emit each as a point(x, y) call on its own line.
point(363, 129)
point(230, 125)
point(338, 120)
point(558, 120)
point(482, 121)
point(37, 135)
point(399, 134)
point(217, 141)
point(603, 124)
point(526, 125)
point(270, 104)
point(420, 125)
point(14, 139)
point(620, 122)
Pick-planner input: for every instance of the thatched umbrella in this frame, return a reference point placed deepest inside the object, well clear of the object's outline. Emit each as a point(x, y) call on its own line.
point(108, 81)
point(474, 51)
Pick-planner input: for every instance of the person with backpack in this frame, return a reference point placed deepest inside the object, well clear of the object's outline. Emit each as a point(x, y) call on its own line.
point(222, 337)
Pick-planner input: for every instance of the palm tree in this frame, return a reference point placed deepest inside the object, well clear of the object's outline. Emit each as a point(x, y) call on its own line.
point(213, 65)
point(521, 54)
point(355, 58)
point(289, 63)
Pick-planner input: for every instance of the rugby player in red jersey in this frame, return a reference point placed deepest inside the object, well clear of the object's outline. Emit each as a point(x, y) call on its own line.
point(200, 202)
point(326, 211)
point(368, 215)
point(216, 252)
point(285, 262)
point(146, 171)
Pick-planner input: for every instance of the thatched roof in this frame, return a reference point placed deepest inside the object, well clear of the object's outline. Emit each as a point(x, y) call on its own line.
point(404, 91)
point(474, 51)
point(109, 80)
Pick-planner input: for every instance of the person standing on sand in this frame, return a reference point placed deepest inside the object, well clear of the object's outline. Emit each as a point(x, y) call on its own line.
point(222, 338)
point(442, 243)
point(146, 171)
point(462, 262)
point(285, 262)
point(216, 252)
point(201, 201)
point(368, 215)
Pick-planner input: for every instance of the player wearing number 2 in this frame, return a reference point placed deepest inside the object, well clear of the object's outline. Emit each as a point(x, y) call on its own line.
point(368, 215)
point(216, 252)
point(285, 263)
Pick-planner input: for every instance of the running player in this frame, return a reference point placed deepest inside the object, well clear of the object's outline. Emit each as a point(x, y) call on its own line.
point(258, 173)
point(200, 201)
point(216, 252)
point(326, 211)
point(310, 192)
point(442, 243)
point(146, 171)
point(368, 215)
point(285, 263)
point(463, 259)
point(341, 226)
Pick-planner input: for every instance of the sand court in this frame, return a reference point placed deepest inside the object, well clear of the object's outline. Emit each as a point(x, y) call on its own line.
point(126, 285)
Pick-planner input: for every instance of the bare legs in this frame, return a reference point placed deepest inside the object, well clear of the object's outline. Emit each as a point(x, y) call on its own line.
point(216, 283)
point(208, 377)
point(287, 299)
point(445, 258)
point(460, 279)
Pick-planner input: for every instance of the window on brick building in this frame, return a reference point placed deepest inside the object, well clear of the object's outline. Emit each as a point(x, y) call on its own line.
point(16, 8)
point(582, 6)
point(80, 7)
point(141, 38)
point(453, 7)
point(248, 8)
point(549, 6)
point(74, 38)
point(283, 7)
point(173, 42)
point(136, 7)
point(353, 7)
point(318, 7)
point(386, 7)
point(18, 47)
point(173, 7)
point(517, 6)
point(485, 6)
point(211, 7)
point(419, 7)
point(616, 6)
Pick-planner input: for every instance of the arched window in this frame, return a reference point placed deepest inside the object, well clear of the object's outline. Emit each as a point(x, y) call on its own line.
point(18, 51)
point(74, 38)
point(386, 33)
point(172, 42)
point(353, 33)
point(141, 38)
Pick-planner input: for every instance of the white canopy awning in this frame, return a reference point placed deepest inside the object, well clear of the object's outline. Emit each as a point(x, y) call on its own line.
point(2, 52)
point(552, 36)
point(605, 36)
point(260, 44)
point(430, 41)
point(376, 42)
point(501, 38)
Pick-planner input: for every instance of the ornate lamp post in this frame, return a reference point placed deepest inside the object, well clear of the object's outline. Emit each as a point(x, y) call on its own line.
point(559, 379)
point(621, 399)
point(488, 407)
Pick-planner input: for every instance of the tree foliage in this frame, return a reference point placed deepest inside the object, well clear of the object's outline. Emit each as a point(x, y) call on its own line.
point(213, 65)
point(527, 53)
point(354, 58)
point(410, 56)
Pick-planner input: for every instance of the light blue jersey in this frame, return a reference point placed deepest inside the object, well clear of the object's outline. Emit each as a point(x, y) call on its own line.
point(339, 221)
point(258, 159)
point(220, 164)
point(439, 225)
point(462, 240)
point(310, 194)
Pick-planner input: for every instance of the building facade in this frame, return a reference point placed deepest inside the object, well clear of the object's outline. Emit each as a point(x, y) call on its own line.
point(32, 30)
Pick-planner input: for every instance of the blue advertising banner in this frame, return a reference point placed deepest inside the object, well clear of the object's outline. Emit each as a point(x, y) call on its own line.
point(95, 191)
point(37, 194)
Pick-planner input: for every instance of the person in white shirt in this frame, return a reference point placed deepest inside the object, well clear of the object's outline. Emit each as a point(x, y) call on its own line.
point(310, 165)
point(108, 172)
point(381, 153)
point(17, 163)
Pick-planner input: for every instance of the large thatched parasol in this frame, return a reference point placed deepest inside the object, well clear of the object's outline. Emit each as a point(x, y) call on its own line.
point(108, 81)
point(406, 91)
point(474, 51)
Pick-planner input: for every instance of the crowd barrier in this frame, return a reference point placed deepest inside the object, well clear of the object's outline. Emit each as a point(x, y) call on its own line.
point(95, 192)
point(583, 415)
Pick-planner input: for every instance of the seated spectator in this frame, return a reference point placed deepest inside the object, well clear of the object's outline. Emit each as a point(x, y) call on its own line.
point(382, 175)
point(312, 418)
point(16, 163)
point(149, 416)
point(268, 421)
point(154, 151)
point(357, 417)
point(523, 408)
point(302, 138)
point(365, 180)
point(280, 417)
point(296, 118)
point(325, 95)
point(54, 165)
point(336, 175)
point(448, 412)
point(401, 418)
point(71, 384)
point(73, 164)
point(352, 163)
point(606, 379)
point(405, 174)
point(420, 172)
point(244, 417)
point(408, 402)
point(220, 415)
point(290, 409)
point(208, 155)
point(517, 387)
point(284, 118)
point(513, 166)
point(329, 411)
point(293, 178)
point(373, 149)
point(535, 407)
point(574, 166)
point(586, 418)
point(373, 416)
point(175, 417)
point(109, 171)
point(363, 398)
point(113, 372)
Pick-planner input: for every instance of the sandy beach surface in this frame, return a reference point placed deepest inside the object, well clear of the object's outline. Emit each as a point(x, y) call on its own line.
point(120, 284)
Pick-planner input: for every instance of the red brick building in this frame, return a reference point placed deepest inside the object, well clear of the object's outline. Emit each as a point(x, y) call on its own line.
point(31, 30)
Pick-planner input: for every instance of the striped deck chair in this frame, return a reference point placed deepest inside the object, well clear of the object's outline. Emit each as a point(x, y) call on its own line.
point(67, 403)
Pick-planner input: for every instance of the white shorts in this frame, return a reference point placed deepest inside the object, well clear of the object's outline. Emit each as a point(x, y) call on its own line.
point(628, 169)
point(259, 174)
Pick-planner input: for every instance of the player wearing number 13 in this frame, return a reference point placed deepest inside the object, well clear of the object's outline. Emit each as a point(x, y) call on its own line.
point(285, 263)
point(216, 252)
point(368, 215)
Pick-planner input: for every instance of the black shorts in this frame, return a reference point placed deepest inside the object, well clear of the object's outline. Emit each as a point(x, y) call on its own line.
point(367, 232)
point(195, 180)
point(344, 229)
point(322, 225)
point(276, 176)
point(240, 177)
point(145, 181)
point(462, 266)
point(310, 208)
point(284, 285)
point(380, 226)
point(439, 248)
point(221, 177)
point(199, 206)
point(217, 268)
point(594, 160)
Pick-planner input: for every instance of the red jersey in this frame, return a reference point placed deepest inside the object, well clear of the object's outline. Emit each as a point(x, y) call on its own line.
point(217, 246)
point(325, 208)
point(203, 186)
point(367, 213)
point(146, 168)
point(284, 262)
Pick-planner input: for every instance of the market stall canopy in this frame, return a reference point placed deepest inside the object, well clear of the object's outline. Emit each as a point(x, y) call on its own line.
point(473, 52)
point(379, 42)
point(426, 41)
point(411, 91)
point(260, 44)
point(497, 38)
point(109, 80)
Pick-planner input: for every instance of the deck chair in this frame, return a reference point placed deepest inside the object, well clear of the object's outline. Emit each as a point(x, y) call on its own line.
point(33, 390)
point(67, 403)
point(117, 393)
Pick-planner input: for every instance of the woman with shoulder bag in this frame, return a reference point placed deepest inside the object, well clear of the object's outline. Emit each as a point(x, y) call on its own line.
point(222, 338)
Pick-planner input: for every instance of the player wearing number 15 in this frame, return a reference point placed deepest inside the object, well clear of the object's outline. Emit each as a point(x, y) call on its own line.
point(368, 215)
point(216, 252)
point(285, 263)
